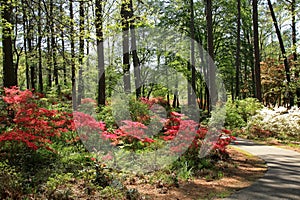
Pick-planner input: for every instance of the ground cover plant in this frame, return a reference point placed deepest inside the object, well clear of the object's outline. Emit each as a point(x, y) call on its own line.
point(43, 157)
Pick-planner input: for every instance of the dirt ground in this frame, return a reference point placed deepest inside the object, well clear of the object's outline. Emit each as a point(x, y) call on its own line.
point(240, 172)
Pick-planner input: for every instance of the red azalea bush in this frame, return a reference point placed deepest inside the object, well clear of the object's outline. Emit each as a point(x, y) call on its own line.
point(189, 131)
point(136, 134)
point(182, 133)
point(30, 124)
point(36, 126)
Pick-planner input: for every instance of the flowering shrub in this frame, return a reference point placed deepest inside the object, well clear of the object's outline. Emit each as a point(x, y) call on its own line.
point(30, 124)
point(149, 125)
point(279, 122)
point(37, 127)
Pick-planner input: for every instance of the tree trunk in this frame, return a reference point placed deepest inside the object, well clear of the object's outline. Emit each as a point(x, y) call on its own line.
point(64, 68)
point(250, 54)
point(256, 52)
point(282, 48)
point(40, 72)
point(9, 76)
point(238, 47)
point(49, 63)
point(203, 74)
point(210, 57)
point(125, 15)
point(81, 52)
point(294, 41)
point(30, 53)
point(24, 18)
point(17, 51)
point(100, 53)
point(136, 63)
point(175, 103)
point(73, 67)
point(192, 56)
point(53, 47)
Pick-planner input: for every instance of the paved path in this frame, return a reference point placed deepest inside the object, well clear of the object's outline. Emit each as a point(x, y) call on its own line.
point(281, 181)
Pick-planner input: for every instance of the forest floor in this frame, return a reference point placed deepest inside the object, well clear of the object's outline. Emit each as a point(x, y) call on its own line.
point(219, 181)
point(239, 172)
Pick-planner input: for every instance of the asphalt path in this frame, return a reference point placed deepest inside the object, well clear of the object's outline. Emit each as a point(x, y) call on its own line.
point(282, 179)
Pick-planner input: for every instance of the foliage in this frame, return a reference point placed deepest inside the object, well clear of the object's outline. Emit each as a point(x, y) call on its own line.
point(31, 124)
point(10, 182)
point(54, 182)
point(148, 125)
point(280, 123)
point(48, 175)
point(239, 112)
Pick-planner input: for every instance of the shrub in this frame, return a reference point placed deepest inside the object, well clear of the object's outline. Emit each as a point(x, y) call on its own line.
point(233, 118)
point(239, 112)
point(248, 107)
point(280, 123)
point(31, 124)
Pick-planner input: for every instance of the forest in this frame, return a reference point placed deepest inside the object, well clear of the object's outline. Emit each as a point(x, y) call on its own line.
point(97, 94)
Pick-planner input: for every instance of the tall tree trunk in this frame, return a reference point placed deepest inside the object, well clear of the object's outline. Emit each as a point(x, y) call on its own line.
point(294, 41)
point(250, 55)
point(9, 76)
point(210, 49)
point(136, 63)
point(87, 39)
point(53, 46)
point(73, 67)
point(125, 15)
point(256, 52)
point(100, 53)
point(203, 84)
point(64, 68)
point(24, 18)
point(17, 51)
point(49, 63)
point(192, 93)
point(30, 54)
point(282, 48)
point(238, 47)
point(40, 72)
point(81, 52)
point(245, 83)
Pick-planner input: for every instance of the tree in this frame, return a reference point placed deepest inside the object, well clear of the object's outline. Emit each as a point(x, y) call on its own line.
point(210, 57)
point(256, 51)
point(294, 47)
point(125, 15)
point(30, 28)
point(238, 46)
point(24, 18)
point(282, 48)
point(100, 52)
point(63, 44)
point(9, 76)
point(81, 52)
point(40, 67)
point(192, 97)
point(73, 67)
point(135, 58)
point(53, 46)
